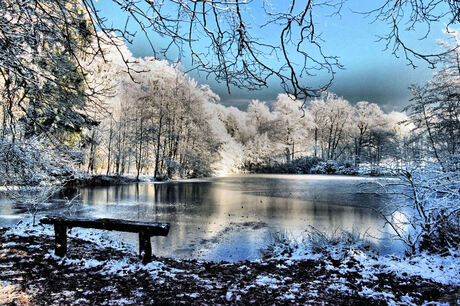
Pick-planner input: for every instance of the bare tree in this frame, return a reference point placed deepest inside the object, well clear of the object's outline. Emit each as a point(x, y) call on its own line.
point(224, 41)
point(409, 17)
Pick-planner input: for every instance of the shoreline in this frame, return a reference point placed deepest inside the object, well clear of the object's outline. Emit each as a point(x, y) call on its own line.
point(99, 180)
point(113, 180)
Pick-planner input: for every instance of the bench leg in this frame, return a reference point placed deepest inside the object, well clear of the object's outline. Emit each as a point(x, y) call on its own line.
point(145, 248)
point(60, 236)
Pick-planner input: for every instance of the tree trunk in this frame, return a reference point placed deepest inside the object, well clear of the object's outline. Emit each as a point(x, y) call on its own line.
point(92, 152)
point(158, 145)
point(109, 149)
point(288, 155)
point(139, 156)
point(316, 142)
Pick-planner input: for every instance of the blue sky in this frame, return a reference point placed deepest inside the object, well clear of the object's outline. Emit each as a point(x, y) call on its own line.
point(370, 73)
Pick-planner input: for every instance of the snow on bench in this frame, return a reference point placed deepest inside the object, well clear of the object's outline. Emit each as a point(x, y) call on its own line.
point(145, 230)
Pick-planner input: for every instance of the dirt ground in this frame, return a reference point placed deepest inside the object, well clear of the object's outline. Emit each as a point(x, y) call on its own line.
point(31, 275)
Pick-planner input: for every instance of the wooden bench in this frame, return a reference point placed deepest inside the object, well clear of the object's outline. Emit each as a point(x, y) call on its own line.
point(145, 230)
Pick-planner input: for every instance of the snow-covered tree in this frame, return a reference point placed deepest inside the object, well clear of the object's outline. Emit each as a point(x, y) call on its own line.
point(367, 117)
point(332, 118)
point(291, 124)
point(435, 108)
point(429, 220)
point(259, 152)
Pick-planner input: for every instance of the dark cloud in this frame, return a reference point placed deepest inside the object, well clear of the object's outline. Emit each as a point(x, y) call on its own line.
point(384, 85)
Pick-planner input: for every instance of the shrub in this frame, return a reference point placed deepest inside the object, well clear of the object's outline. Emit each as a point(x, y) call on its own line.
point(429, 219)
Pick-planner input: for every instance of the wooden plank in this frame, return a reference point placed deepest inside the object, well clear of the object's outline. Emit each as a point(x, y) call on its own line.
point(149, 228)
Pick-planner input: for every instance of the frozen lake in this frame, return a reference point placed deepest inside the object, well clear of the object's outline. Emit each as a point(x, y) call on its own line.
point(230, 218)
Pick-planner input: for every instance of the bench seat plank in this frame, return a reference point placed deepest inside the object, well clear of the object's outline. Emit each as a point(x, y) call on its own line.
point(149, 228)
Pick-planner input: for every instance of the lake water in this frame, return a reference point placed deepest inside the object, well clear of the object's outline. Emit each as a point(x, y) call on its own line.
point(230, 218)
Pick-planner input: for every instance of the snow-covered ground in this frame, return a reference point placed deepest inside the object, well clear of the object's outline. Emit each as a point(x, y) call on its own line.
point(347, 247)
point(303, 272)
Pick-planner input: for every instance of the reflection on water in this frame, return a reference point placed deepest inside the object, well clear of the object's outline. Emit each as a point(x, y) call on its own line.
point(233, 218)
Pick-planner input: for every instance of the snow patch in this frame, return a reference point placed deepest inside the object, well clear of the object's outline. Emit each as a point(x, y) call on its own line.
point(264, 280)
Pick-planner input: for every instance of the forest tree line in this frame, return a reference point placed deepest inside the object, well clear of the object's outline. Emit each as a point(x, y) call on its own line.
point(163, 124)
point(152, 119)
